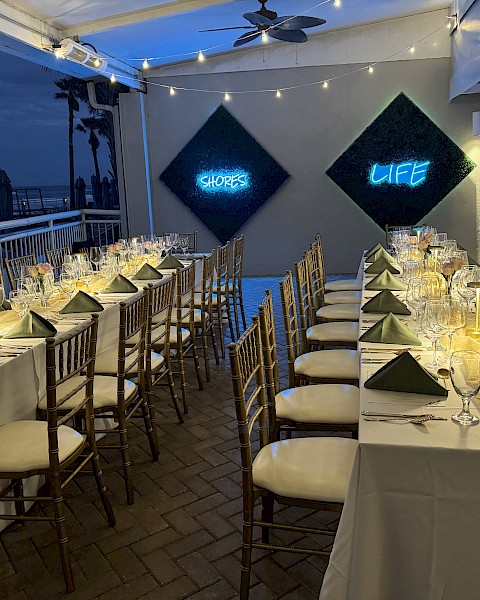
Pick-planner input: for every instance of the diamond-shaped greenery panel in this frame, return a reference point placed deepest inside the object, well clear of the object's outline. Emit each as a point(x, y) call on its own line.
point(223, 175)
point(401, 166)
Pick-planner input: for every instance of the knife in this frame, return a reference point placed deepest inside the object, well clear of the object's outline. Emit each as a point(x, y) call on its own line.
point(367, 413)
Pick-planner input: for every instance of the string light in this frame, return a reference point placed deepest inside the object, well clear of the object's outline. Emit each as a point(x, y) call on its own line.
point(227, 97)
point(145, 64)
point(278, 94)
point(411, 49)
point(172, 91)
point(264, 37)
point(58, 53)
point(201, 56)
point(337, 3)
point(97, 62)
point(449, 25)
point(113, 79)
point(370, 69)
point(325, 84)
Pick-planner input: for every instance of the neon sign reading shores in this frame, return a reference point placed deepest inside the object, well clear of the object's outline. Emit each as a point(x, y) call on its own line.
point(223, 181)
point(411, 173)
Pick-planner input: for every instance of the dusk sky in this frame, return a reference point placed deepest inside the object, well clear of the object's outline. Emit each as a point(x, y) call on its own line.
point(34, 128)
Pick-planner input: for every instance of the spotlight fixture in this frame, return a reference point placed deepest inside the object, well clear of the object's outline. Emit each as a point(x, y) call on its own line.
point(79, 53)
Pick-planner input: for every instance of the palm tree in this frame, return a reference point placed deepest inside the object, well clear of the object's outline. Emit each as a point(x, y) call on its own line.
point(70, 87)
point(93, 124)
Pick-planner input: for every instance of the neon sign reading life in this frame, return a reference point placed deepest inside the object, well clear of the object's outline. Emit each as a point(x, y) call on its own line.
point(407, 173)
point(223, 181)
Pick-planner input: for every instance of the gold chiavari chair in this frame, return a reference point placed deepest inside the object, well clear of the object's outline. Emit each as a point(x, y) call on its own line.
point(183, 318)
point(340, 285)
point(332, 312)
point(14, 268)
point(307, 472)
point(221, 293)
point(326, 407)
point(204, 310)
point(321, 366)
point(236, 293)
point(53, 448)
point(317, 336)
point(56, 258)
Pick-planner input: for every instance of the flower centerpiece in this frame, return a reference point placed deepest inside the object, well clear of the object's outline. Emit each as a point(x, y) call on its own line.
point(450, 265)
point(42, 273)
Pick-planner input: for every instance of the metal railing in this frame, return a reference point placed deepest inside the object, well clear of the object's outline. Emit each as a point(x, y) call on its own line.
point(34, 235)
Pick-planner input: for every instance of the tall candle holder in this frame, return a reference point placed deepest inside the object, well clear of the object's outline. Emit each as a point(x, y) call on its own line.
point(475, 333)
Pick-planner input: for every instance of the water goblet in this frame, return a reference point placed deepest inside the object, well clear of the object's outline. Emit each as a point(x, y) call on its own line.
point(19, 301)
point(434, 328)
point(465, 376)
point(68, 285)
point(95, 255)
point(452, 317)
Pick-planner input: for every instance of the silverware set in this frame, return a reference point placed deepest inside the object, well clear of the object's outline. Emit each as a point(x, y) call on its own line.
point(400, 417)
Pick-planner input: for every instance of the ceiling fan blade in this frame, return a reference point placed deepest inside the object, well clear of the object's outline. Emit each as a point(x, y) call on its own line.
point(227, 28)
point(289, 23)
point(297, 35)
point(256, 19)
point(245, 38)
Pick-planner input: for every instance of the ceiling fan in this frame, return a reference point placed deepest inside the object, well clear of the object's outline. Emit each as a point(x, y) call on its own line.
point(267, 22)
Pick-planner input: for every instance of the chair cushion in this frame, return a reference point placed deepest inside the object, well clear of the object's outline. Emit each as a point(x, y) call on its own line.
point(342, 331)
point(306, 468)
point(345, 297)
point(328, 364)
point(197, 315)
point(198, 299)
point(24, 445)
point(104, 392)
point(173, 336)
point(326, 403)
point(107, 362)
point(340, 285)
point(222, 287)
point(339, 312)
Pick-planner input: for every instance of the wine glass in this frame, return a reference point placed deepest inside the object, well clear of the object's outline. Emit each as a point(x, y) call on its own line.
point(413, 299)
point(95, 255)
point(452, 317)
point(412, 269)
point(68, 284)
point(461, 279)
point(2, 295)
point(19, 301)
point(465, 376)
point(434, 328)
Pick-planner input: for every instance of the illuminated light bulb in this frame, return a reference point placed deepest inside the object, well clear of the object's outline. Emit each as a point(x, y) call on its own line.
point(264, 37)
point(145, 64)
point(172, 91)
point(97, 62)
point(337, 3)
point(113, 79)
point(325, 84)
point(412, 49)
point(227, 97)
point(201, 56)
point(449, 25)
point(278, 94)
point(58, 53)
point(370, 69)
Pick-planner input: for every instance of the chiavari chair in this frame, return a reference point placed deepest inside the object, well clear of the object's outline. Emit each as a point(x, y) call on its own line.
point(221, 293)
point(14, 268)
point(307, 472)
point(236, 292)
point(53, 448)
point(56, 258)
point(340, 285)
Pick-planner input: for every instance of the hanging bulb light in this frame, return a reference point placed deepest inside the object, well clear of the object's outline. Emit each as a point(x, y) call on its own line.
point(412, 49)
point(370, 69)
point(97, 63)
point(172, 91)
point(278, 94)
point(264, 37)
point(201, 56)
point(227, 97)
point(337, 3)
point(113, 79)
point(58, 52)
point(325, 84)
point(145, 64)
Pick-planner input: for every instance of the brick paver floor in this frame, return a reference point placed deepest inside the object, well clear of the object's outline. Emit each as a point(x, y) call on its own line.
point(181, 538)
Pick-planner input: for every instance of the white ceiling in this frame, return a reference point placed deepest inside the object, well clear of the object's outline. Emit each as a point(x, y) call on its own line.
point(157, 28)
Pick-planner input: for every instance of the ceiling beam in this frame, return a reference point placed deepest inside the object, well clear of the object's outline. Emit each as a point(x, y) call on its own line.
point(163, 10)
point(26, 28)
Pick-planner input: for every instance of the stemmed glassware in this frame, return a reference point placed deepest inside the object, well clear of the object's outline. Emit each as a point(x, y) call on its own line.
point(465, 376)
point(434, 327)
point(95, 255)
point(452, 317)
point(67, 284)
point(20, 301)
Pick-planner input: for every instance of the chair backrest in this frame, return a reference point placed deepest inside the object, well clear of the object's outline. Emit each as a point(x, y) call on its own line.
point(160, 303)
point(133, 321)
point(247, 374)
point(56, 258)
point(14, 268)
point(208, 276)
point(185, 301)
point(316, 280)
point(237, 261)
point(270, 357)
point(223, 265)
point(304, 297)
point(70, 354)
point(290, 322)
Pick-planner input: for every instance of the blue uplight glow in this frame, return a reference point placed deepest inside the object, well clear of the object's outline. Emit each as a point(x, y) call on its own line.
point(411, 173)
point(223, 181)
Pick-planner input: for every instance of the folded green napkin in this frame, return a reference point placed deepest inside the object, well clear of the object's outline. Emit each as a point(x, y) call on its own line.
point(381, 265)
point(381, 253)
point(385, 302)
point(147, 272)
point(81, 303)
point(385, 281)
point(170, 262)
point(31, 325)
point(120, 285)
point(390, 331)
point(5, 305)
point(373, 250)
point(405, 374)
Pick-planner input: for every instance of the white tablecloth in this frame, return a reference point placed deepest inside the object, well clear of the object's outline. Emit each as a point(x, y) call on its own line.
point(410, 528)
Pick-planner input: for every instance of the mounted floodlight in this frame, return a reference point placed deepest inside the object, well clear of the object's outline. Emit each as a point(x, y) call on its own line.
point(80, 54)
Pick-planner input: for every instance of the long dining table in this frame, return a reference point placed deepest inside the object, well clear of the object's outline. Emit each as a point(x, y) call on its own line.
point(22, 360)
point(410, 526)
